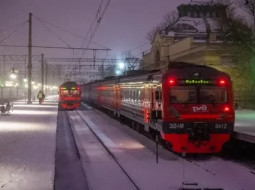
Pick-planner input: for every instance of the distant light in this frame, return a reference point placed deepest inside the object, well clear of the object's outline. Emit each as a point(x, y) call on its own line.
point(35, 87)
point(121, 65)
point(117, 72)
point(9, 83)
point(13, 76)
point(24, 80)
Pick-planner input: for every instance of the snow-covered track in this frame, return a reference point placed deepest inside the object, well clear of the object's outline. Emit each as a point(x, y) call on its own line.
point(115, 166)
point(136, 155)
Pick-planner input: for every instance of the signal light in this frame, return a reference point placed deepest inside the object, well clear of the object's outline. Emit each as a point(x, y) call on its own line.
point(222, 82)
point(171, 81)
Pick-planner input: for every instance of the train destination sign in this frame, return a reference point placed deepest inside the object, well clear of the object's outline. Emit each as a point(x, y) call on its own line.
point(187, 81)
point(196, 81)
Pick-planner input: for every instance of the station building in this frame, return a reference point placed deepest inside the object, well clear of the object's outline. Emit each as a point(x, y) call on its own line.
point(196, 37)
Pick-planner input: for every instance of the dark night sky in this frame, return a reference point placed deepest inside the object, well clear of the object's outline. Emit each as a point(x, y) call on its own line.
point(123, 27)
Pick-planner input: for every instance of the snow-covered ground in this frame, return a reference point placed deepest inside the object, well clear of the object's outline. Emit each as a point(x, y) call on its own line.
point(27, 146)
point(27, 155)
point(245, 121)
point(139, 162)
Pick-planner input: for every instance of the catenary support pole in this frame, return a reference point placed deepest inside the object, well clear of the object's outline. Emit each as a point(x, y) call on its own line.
point(29, 67)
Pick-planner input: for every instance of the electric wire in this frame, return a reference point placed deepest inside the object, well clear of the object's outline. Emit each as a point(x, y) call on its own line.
point(97, 18)
point(67, 31)
point(10, 34)
point(56, 35)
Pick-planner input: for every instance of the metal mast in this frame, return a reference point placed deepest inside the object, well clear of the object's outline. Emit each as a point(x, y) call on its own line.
point(29, 66)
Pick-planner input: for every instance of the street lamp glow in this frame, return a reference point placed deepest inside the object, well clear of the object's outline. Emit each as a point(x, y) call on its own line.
point(25, 80)
point(117, 72)
point(13, 76)
point(121, 65)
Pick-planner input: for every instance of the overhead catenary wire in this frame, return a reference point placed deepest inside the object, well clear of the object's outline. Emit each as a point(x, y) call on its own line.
point(56, 35)
point(98, 18)
point(67, 31)
point(13, 26)
point(13, 32)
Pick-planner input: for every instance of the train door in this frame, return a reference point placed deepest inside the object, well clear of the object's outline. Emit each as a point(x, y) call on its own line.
point(117, 99)
point(146, 102)
point(156, 102)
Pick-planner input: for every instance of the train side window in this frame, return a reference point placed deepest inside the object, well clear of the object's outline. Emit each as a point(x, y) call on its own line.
point(136, 95)
point(139, 96)
point(130, 95)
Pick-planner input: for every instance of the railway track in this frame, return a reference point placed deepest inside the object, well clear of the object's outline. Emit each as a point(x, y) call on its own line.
point(82, 121)
point(212, 165)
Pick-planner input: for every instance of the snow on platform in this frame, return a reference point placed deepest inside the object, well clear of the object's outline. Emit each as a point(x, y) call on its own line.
point(27, 147)
point(139, 162)
point(27, 155)
point(245, 125)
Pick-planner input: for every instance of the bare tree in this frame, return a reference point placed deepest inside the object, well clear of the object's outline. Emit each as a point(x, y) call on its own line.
point(249, 6)
point(168, 20)
point(151, 34)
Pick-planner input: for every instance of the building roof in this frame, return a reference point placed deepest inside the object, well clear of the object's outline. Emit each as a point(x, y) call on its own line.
point(197, 19)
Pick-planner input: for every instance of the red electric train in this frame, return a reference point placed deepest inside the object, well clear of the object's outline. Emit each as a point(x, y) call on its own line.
point(69, 96)
point(188, 106)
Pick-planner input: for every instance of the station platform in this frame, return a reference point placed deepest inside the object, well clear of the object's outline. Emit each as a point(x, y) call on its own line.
point(244, 128)
point(28, 143)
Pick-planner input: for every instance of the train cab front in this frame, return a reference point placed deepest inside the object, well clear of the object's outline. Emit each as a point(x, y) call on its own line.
point(69, 105)
point(69, 96)
point(199, 115)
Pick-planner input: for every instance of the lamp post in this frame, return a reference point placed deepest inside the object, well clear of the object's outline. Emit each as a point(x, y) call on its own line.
point(29, 67)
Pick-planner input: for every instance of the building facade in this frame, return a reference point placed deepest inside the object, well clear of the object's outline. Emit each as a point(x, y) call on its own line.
point(195, 37)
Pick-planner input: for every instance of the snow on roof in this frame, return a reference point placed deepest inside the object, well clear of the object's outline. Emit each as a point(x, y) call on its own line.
point(195, 25)
point(188, 24)
point(209, 2)
point(214, 24)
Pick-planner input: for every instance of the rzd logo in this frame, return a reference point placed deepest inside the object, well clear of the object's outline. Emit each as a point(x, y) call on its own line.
point(199, 108)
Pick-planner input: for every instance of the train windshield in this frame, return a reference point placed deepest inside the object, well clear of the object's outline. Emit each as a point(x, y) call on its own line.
point(63, 92)
point(198, 94)
point(74, 92)
point(71, 92)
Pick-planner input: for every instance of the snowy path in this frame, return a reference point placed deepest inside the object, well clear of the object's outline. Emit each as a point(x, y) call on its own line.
point(139, 161)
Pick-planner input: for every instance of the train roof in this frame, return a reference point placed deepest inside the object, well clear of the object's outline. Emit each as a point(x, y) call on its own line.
point(69, 83)
point(183, 69)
